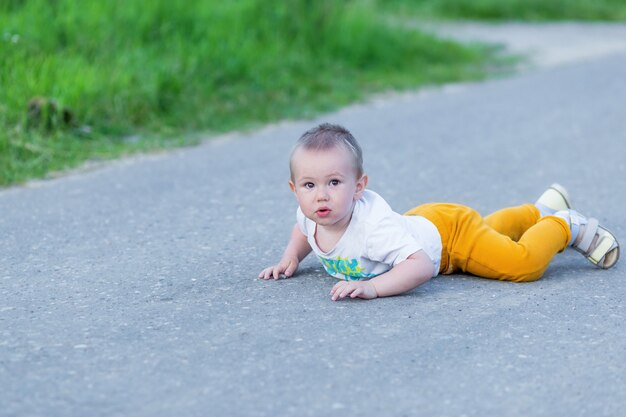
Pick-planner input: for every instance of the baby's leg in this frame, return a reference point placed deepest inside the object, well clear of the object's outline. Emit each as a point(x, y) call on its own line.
point(484, 252)
point(473, 246)
point(513, 221)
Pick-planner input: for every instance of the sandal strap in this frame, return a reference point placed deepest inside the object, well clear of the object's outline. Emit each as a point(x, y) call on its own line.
point(602, 248)
point(590, 232)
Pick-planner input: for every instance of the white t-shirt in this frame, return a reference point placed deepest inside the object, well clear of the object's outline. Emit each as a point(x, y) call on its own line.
point(376, 240)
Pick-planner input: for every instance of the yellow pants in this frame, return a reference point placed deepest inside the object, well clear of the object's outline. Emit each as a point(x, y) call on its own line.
point(513, 244)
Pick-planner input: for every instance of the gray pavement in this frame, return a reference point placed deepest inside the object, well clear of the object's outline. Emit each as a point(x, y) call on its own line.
point(131, 290)
point(544, 44)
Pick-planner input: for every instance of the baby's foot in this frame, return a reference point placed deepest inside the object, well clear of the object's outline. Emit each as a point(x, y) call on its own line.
point(555, 198)
point(595, 242)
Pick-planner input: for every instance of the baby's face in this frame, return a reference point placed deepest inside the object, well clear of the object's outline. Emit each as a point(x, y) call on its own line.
point(326, 185)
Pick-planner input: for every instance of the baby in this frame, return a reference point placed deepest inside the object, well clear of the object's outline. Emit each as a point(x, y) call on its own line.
point(377, 252)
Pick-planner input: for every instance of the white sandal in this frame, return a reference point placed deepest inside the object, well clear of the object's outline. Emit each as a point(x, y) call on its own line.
point(553, 199)
point(598, 245)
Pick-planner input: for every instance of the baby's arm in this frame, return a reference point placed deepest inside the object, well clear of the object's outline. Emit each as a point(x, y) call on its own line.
point(297, 249)
point(408, 274)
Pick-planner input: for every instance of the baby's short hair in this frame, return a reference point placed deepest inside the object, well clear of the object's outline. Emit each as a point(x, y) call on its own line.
point(327, 136)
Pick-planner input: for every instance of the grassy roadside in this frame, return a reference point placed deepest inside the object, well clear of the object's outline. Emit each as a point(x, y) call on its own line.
point(104, 79)
point(109, 78)
point(528, 10)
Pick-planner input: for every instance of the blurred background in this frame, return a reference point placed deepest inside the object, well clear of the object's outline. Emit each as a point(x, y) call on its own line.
point(86, 81)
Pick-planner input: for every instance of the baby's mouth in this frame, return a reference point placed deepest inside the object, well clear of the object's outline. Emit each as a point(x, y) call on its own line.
point(323, 212)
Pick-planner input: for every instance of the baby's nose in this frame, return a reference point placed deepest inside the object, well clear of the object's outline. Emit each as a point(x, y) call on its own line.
point(322, 193)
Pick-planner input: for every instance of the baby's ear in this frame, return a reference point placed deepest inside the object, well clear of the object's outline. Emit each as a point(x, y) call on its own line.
point(292, 186)
point(361, 183)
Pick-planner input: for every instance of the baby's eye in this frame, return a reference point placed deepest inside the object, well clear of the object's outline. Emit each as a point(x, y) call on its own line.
point(334, 182)
point(309, 185)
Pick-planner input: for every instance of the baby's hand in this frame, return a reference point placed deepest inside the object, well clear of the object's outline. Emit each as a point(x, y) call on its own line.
point(361, 289)
point(286, 266)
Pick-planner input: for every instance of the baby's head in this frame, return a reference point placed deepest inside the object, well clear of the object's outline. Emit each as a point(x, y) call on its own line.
point(327, 137)
point(327, 175)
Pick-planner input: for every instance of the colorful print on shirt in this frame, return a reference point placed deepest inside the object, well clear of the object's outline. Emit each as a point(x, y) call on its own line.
point(349, 268)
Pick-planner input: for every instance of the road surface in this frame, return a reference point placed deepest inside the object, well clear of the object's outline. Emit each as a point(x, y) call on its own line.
point(131, 290)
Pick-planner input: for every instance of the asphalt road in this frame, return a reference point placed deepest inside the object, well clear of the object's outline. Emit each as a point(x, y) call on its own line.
point(544, 44)
point(131, 290)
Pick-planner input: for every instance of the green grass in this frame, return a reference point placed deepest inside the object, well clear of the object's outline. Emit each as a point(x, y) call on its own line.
point(138, 75)
point(530, 10)
point(144, 74)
